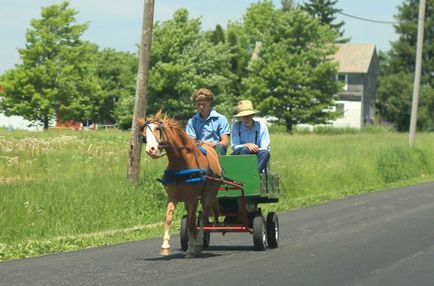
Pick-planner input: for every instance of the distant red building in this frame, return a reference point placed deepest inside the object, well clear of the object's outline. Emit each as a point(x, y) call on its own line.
point(71, 124)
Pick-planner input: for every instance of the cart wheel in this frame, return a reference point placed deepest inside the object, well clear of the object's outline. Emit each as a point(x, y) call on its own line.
point(272, 230)
point(259, 233)
point(206, 239)
point(184, 233)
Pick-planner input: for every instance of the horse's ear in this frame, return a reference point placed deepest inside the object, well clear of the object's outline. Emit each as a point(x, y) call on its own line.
point(158, 114)
point(140, 121)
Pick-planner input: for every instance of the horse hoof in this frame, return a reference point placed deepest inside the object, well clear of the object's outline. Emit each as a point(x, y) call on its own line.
point(165, 251)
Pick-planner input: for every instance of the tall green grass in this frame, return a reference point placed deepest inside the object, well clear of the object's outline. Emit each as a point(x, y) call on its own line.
point(65, 184)
point(318, 168)
point(67, 190)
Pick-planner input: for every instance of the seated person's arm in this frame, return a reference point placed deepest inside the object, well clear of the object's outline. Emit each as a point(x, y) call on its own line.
point(224, 131)
point(235, 138)
point(253, 148)
point(190, 130)
point(224, 140)
point(264, 138)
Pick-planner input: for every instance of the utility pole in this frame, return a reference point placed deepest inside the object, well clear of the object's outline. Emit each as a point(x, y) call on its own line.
point(140, 101)
point(417, 72)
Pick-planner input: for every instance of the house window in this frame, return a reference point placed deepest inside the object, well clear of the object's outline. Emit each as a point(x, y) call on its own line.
point(343, 77)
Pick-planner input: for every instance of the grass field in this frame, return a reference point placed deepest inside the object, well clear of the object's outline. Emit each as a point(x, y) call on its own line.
point(63, 190)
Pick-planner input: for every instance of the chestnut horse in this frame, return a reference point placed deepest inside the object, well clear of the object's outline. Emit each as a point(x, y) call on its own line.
point(188, 176)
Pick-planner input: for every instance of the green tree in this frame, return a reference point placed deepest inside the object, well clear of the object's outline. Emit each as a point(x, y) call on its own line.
point(218, 35)
point(183, 59)
point(293, 78)
point(117, 76)
point(403, 52)
point(287, 5)
point(238, 45)
point(123, 112)
point(383, 60)
point(325, 11)
point(57, 74)
point(397, 70)
point(394, 93)
point(259, 22)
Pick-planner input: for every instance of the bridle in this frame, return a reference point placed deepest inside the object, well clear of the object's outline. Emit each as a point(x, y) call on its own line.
point(161, 140)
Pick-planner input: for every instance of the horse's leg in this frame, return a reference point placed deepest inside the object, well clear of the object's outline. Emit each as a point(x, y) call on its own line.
point(191, 225)
point(216, 212)
point(209, 204)
point(165, 247)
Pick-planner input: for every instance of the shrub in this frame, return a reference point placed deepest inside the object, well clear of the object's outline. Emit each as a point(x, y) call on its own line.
point(402, 163)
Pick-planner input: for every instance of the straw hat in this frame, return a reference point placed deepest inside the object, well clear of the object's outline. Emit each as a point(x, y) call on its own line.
point(244, 108)
point(202, 94)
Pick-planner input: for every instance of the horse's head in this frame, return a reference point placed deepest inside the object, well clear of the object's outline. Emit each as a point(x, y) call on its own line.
point(153, 134)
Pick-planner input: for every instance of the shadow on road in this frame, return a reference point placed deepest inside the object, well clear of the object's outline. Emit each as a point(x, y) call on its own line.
point(180, 255)
point(204, 254)
point(229, 248)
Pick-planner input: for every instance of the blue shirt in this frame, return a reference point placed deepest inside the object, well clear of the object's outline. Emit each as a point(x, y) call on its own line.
point(258, 135)
point(209, 129)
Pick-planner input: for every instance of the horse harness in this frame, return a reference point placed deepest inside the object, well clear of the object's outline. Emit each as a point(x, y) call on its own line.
point(160, 140)
point(188, 176)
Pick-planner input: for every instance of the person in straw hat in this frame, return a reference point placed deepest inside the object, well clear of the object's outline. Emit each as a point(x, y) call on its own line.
point(250, 136)
point(208, 125)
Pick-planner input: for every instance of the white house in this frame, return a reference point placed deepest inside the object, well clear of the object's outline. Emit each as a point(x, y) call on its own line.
point(358, 71)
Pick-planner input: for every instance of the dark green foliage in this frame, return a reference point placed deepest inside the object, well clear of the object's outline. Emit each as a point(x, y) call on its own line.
point(403, 52)
point(117, 77)
point(287, 5)
point(397, 70)
point(395, 92)
point(184, 59)
point(238, 45)
point(325, 12)
point(123, 112)
point(218, 35)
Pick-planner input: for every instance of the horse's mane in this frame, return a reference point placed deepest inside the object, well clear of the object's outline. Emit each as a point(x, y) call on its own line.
point(175, 126)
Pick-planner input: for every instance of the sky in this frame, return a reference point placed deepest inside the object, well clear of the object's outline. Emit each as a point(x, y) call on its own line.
point(117, 24)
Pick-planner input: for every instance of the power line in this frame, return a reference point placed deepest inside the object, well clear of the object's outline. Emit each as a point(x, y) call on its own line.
point(367, 20)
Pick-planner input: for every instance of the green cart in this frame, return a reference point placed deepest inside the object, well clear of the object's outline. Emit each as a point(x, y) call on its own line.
point(242, 190)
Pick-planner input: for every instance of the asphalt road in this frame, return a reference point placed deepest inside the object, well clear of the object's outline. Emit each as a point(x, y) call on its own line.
point(384, 238)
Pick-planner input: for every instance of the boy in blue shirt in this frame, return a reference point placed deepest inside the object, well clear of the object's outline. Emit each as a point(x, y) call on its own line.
point(208, 125)
point(250, 136)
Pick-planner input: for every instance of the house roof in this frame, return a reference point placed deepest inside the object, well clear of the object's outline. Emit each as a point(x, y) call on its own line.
point(354, 58)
